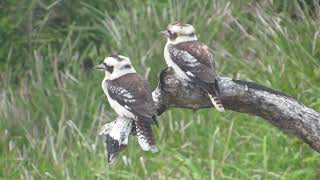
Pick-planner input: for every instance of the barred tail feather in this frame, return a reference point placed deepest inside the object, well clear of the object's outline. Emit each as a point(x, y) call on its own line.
point(216, 101)
point(145, 136)
point(145, 145)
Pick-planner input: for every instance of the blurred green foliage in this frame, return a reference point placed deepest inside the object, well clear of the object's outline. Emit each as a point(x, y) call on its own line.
point(52, 105)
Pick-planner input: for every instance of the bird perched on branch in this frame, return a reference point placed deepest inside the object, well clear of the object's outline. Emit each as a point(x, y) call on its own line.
point(130, 96)
point(191, 60)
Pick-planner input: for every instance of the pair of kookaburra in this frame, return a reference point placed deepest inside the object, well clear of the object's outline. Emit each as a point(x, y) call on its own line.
point(130, 95)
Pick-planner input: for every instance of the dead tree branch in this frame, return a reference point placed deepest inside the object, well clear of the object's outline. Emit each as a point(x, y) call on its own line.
point(277, 108)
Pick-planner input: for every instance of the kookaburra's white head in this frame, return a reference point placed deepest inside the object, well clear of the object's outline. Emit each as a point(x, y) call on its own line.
point(116, 66)
point(177, 32)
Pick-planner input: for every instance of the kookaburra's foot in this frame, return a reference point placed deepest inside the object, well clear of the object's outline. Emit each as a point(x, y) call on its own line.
point(116, 134)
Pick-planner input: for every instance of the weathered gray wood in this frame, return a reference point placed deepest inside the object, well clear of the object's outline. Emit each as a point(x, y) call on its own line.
point(246, 97)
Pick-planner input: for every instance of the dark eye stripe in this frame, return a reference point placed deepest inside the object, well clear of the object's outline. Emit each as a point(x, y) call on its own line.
point(127, 66)
point(109, 68)
point(173, 36)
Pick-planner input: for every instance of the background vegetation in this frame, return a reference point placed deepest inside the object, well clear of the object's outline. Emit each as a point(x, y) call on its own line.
point(52, 105)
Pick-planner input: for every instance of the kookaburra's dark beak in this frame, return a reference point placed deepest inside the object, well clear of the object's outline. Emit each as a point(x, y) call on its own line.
point(165, 33)
point(100, 67)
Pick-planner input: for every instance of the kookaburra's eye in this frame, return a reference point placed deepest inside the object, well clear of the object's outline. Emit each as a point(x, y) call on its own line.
point(172, 35)
point(108, 68)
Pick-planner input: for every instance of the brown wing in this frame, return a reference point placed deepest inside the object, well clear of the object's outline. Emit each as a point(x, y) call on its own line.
point(133, 92)
point(196, 58)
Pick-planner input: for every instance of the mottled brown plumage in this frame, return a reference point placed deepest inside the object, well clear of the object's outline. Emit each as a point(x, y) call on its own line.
point(133, 92)
point(205, 69)
point(191, 59)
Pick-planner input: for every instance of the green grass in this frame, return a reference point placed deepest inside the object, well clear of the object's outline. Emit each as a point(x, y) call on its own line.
point(52, 105)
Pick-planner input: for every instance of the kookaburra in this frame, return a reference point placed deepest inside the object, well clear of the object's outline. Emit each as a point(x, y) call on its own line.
point(191, 60)
point(130, 96)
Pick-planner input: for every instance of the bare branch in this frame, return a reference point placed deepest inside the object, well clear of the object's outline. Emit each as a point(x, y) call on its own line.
point(246, 97)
